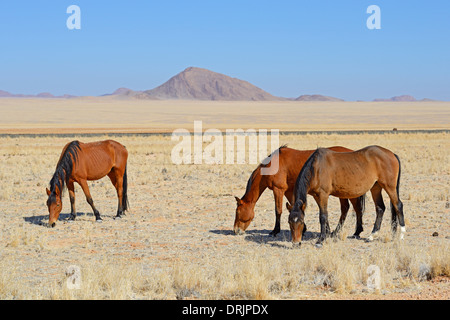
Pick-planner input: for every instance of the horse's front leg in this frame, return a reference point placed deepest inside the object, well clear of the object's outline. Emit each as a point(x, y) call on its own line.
point(322, 201)
point(71, 188)
point(84, 186)
point(278, 195)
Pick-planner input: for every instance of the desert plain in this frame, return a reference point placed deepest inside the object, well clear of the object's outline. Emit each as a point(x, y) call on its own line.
point(176, 241)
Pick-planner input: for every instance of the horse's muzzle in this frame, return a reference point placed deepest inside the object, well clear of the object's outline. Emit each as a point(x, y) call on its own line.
point(238, 231)
point(296, 245)
point(296, 232)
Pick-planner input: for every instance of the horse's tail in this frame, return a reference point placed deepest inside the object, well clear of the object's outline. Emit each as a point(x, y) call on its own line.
point(398, 184)
point(124, 192)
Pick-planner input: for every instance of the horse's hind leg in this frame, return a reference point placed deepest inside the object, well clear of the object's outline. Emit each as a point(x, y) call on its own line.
point(87, 193)
point(397, 212)
point(379, 207)
point(345, 206)
point(117, 181)
point(358, 205)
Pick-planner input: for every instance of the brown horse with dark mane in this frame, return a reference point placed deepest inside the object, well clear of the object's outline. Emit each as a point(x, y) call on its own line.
point(80, 162)
point(290, 162)
point(347, 175)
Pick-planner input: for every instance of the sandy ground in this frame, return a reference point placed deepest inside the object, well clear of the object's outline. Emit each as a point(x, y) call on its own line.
point(178, 233)
point(105, 115)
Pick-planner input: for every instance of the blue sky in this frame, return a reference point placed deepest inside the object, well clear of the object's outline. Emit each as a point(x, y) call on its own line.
point(287, 48)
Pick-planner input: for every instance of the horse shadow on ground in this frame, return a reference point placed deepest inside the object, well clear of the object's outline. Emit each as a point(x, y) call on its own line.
point(263, 237)
point(43, 220)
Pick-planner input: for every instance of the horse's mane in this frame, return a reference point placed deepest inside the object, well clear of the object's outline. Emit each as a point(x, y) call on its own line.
point(64, 169)
point(266, 161)
point(263, 164)
point(304, 179)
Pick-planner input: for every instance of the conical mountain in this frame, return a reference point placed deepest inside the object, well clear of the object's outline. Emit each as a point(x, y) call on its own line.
point(202, 84)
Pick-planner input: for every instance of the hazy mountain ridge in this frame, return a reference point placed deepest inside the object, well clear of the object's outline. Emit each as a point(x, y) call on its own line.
point(201, 84)
point(6, 94)
point(402, 98)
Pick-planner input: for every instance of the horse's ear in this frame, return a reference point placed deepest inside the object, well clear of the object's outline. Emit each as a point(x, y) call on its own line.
point(239, 201)
point(302, 205)
point(48, 192)
point(288, 206)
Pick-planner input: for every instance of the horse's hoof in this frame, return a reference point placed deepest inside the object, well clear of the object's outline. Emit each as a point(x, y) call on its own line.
point(355, 237)
point(273, 234)
point(372, 237)
point(318, 245)
point(117, 217)
point(402, 233)
point(99, 220)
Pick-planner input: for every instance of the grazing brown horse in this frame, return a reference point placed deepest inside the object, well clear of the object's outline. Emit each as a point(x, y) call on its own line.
point(290, 162)
point(80, 162)
point(347, 175)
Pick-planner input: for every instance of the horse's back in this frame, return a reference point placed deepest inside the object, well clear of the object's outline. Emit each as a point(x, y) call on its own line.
point(381, 156)
point(96, 159)
point(111, 147)
point(117, 151)
point(116, 145)
point(121, 154)
point(340, 149)
point(369, 151)
point(378, 151)
point(292, 160)
point(386, 162)
point(291, 163)
point(371, 162)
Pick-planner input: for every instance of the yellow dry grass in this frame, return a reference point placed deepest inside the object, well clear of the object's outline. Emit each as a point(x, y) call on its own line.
point(177, 242)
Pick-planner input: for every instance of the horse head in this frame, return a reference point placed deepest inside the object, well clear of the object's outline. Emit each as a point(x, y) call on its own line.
point(54, 205)
point(244, 215)
point(296, 221)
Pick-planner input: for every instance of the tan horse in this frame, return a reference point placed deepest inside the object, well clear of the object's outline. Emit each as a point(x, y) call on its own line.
point(290, 162)
point(80, 162)
point(347, 175)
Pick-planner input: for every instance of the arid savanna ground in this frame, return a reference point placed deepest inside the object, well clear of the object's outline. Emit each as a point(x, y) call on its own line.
point(176, 242)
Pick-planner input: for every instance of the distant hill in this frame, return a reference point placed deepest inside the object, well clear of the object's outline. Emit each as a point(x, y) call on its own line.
point(403, 98)
point(123, 92)
point(6, 94)
point(202, 84)
point(316, 97)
